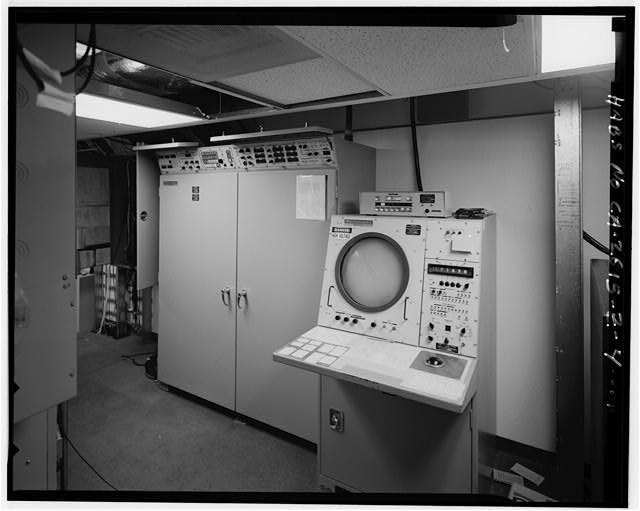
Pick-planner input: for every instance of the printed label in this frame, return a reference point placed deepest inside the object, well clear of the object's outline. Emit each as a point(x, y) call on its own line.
point(341, 229)
point(446, 347)
point(413, 229)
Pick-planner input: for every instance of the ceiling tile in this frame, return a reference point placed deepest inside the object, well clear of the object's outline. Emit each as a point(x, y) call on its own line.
point(408, 60)
point(303, 81)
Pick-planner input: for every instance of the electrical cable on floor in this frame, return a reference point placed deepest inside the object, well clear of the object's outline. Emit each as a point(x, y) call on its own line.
point(88, 464)
point(594, 242)
point(133, 358)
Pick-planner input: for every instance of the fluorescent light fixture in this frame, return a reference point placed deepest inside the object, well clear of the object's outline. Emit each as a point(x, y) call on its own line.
point(101, 108)
point(571, 42)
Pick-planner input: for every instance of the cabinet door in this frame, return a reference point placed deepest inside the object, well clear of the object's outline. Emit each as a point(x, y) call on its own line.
point(44, 335)
point(280, 265)
point(196, 330)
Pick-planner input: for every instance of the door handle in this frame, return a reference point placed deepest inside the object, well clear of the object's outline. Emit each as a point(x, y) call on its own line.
point(226, 292)
point(404, 311)
point(329, 296)
point(242, 294)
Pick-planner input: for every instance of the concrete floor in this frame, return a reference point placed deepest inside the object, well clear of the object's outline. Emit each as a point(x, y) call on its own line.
point(139, 436)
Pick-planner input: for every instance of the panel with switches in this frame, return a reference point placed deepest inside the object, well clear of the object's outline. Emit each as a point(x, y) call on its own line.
point(451, 291)
point(179, 161)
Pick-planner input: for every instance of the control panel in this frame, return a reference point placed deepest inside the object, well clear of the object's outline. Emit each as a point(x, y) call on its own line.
point(423, 204)
point(451, 291)
point(179, 161)
point(218, 158)
point(301, 153)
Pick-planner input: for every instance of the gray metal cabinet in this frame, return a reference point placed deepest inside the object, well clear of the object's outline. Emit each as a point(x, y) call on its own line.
point(238, 273)
point(280, 266)
point(44, 337)
point(392, 444)
point(197, 268)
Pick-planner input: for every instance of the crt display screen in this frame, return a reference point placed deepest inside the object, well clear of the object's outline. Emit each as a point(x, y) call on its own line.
point(373, 273)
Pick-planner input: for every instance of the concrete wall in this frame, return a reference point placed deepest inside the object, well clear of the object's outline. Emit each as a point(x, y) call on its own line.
point(507, 165)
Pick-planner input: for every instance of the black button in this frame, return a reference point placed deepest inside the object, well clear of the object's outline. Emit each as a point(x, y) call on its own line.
point(337, 318)
point(430, 338)
point(346, 319)
point(441, 283)
point(466, 286)
point(447, 328)
point(462, 332)
point(431, 325)
point(446, 341)
point(457, 284)
point(354, 321)
point(446, 284)
point(373, 325)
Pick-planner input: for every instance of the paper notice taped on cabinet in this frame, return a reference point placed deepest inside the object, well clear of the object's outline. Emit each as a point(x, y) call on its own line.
point(311, 197)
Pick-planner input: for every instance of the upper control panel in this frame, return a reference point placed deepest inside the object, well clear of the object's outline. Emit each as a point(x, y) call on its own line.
point(423, 204)
point(289, 154)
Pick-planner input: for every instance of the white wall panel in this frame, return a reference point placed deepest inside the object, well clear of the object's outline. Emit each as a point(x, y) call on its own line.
point(507, 165)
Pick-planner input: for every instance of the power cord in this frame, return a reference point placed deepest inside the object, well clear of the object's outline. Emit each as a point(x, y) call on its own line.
point(88, 464)
point(594, 242)
point(28, 68)
point(133, 358)
point(79, 63)
point(92, 43)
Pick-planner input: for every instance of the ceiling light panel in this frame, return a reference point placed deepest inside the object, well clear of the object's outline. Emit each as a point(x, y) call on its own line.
point(411, 60)
point(110, 110)
point(571, 42)
point(300, 82)
point(206, 53)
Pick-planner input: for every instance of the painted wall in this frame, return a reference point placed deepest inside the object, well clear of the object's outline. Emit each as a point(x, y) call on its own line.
point(507, 166)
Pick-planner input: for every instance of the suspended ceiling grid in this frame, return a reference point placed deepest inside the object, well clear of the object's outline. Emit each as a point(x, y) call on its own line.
point(294, 64)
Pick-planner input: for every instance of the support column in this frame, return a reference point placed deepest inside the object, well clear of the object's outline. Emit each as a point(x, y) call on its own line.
point(569, 325)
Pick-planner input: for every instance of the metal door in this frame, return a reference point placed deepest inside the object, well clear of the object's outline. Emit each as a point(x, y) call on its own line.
point(44, 330)
point(196, 329)
point(280, 266)
point(390, 444)
point(147, 179)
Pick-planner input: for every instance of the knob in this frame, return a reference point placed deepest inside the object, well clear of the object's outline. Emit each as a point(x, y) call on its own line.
point(346, 319)
point(338, 318)
point(446, 284)
point(441, 283)
point(457, 284)
point(462, 332)
point(431, 326)
point(373, 324)
point(354, 321)
point(466, 286)
point(430, 337)
point(446, 341)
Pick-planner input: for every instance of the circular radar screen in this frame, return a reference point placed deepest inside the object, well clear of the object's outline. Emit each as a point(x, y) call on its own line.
point(372, 272)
